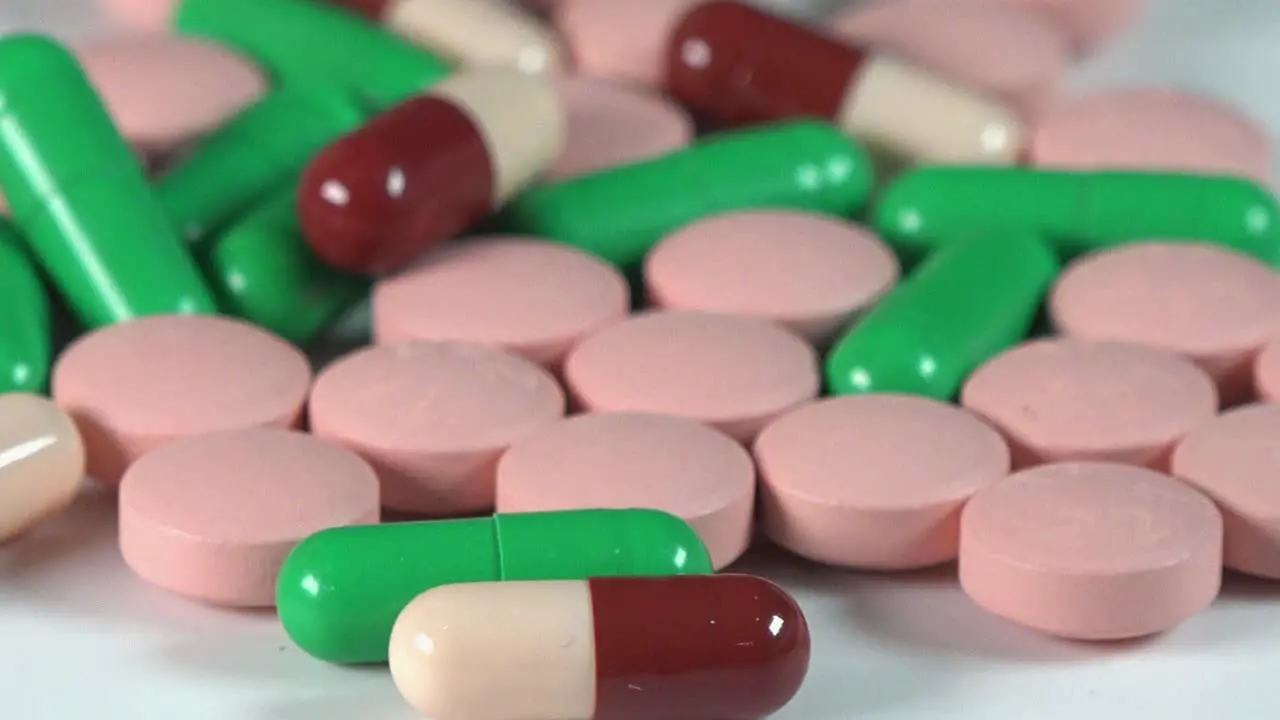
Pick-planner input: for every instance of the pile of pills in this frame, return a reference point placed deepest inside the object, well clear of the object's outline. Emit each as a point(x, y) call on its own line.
point(650, 282)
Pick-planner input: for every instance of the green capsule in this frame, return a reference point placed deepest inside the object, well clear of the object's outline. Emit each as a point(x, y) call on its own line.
point(259, 150)
point(265, 272)
point(25, 332)
point(620, 213)
point(304, 42)
point(77, 193)
point(962, 306)
point(340, 590)
point(1078, 212)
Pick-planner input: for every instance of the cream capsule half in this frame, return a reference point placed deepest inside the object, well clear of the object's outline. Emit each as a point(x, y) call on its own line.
point(41, 461)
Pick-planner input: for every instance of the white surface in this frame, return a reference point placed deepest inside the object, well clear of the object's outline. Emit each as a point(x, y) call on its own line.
point(83, 639)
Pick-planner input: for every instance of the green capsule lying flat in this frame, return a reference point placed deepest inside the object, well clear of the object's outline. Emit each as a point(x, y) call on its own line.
point(25, 332)
point(963, 305)
point(340, 590)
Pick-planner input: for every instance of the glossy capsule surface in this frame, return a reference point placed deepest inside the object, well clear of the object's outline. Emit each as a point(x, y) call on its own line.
point(26, 336)
point(732, 647)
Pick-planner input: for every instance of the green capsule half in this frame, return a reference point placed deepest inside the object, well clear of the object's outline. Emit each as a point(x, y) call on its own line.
point(25, 331)
point(340, 590)
point(620, 213)
point(965, 304)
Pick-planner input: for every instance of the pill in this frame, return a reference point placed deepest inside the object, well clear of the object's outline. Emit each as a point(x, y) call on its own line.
point(79, 196)
point(1063, 399)
point(874, 481)
point(522, 295)
point(164, 93)
point(335, 611)
point(799, 165)
point(1089, 22)
point(307, 43)
point(151, 16)
point(641, 460)
point(732, 373)
point(1213, 306)
point(964, 305)
point(810, 273)
point(1266, 372)
point(136, 386)
point(1152, 129)
point(41, 461)
point(1007, 53)
point(433, 418)
point(620, 40)
point(611, 124)
point(257, 152)
point(732, 64)
point(1077, 211)
point(723, 646)
point(212, 517)
point(26, 336)
point(470, 32)
point(1091, 550)
point(428, 169)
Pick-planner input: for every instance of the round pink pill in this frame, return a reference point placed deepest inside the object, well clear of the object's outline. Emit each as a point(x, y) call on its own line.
point(523, 295)
point(1152, 129)
point(1266, 372)
point(1091, 551)
point(135, 386)
point(1067, 399)
point(151, 16)
point(809, 273)
point(1211, 305)
point(1088, 22)
point(733, 373)
point(1008, 53)
point(874, 481)
point(620, 39)
point(433, 418)
point(214, 516)
point(610, 124)
point(636, 460)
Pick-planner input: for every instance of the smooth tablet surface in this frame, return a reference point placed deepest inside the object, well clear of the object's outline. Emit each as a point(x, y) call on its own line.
point(733, 373)
point(41, 461)
point(636, 460)
point(135, 386)
point(1091, 551)
point(1266, 372)
point(1008, 53)
point(620, 39)
point(809, 273)
point(1065, 399)
point(433, 418)
point(874, 481)
point(142, 15)
point(214, 516)
point(523, 295)
point(610, 124)
point(1208, 304)
point(1152, 129)
point(1089, 22)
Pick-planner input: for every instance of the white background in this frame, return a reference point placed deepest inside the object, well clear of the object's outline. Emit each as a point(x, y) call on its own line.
point(81, 638)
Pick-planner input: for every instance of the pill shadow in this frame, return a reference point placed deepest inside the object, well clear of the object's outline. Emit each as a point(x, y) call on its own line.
point(82, 535)
point(373, 704)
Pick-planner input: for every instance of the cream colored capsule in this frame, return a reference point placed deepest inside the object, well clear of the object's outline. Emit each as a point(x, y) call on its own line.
point(41, 461)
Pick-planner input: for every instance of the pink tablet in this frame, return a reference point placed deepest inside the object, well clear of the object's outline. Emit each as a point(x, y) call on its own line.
point(636, 460)
point(1066, 399)
point(611, 124)
point(812, 274)
point(1233, 459)
point(874, 481)
point(1091, 551)
point(733, 373)
point(433, 418)
point(213, 516)
point(1211, 305)
point(41, 462)
point(1152, 129)
point(152, 16)
point(1089, 22)
point(620, 39)
point(135, 386)
point(523, 295)
point(1009, 53)
point(1266, 372)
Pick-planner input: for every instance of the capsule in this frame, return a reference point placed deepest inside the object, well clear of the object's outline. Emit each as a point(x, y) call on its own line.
point(77, 193)
point(1077, 212)
point(472, 33)
point(41, 462)
point(733, 64)
point(339, 591)
point(620, 213)
point(428, 169)
point(727, 646)
point(307, 43)
point(26, 337)
point(962, 306)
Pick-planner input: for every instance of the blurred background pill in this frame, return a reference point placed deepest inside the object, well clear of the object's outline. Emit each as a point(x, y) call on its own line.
point(620, 39)
point(1089, 22)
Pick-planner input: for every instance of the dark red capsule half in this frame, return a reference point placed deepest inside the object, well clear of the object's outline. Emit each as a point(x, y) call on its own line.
point(372, 9)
